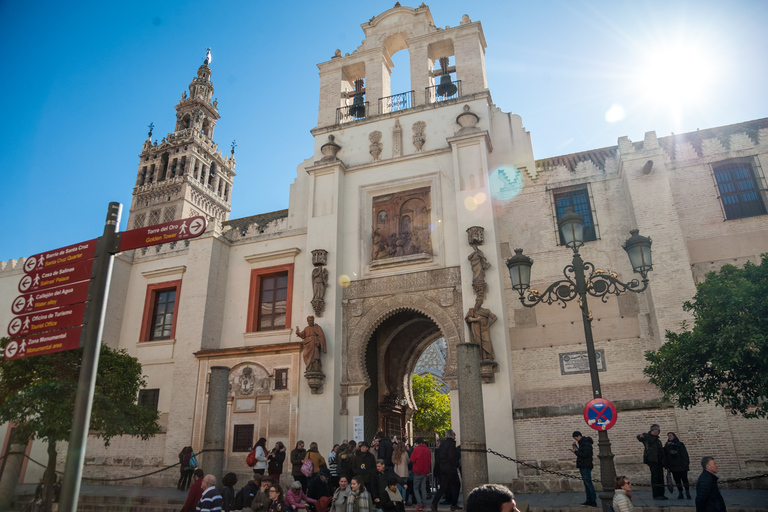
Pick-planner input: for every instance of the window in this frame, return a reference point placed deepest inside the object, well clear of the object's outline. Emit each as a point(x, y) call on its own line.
point(281, 378)
point(161, 307)
point(578, 199)
point(738, 190)
point(149, 397)
point(270, 298)
point(242, 438)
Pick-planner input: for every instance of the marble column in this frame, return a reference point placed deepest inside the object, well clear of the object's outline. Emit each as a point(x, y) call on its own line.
point(216, 422)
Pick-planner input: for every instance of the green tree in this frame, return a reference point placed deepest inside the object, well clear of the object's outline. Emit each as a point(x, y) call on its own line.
point(38, 394)
point(724, 357)
point(434, 408)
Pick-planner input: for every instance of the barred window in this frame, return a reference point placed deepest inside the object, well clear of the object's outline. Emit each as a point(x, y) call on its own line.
point(242, 439)
point(169, 214)
point(281, 378)
point(138, 220)
point(738, 190)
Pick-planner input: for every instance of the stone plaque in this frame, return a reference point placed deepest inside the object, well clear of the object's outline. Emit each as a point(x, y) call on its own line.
point(578, 362)
point(245, 404)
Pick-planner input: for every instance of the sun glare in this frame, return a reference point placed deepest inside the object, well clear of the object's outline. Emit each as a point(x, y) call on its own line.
point(677, 76)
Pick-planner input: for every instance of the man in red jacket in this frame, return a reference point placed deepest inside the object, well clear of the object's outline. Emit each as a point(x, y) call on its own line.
point(195, 492)
point(422, 465)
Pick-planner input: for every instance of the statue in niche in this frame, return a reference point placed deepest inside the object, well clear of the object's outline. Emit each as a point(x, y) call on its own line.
point(401, 224)
point(479, 321)
point(479, 265)
point(314, 344)
point(319, 282)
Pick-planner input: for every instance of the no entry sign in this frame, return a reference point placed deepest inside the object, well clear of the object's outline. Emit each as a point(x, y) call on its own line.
point(600, 414)
point(163, 233)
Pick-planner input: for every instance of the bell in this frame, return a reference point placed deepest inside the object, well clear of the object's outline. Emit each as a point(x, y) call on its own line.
point(357, 110)
point(446, 88)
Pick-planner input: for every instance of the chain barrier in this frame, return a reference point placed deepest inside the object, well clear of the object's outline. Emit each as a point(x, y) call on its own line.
point(532, 466)
point(129, 477)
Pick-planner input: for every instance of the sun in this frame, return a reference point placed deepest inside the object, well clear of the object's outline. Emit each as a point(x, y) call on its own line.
point(677, 76)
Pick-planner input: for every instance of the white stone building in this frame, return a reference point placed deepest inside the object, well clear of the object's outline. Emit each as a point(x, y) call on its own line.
point(394, 185)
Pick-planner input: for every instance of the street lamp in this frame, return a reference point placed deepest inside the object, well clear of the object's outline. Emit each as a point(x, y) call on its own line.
point(582, 279)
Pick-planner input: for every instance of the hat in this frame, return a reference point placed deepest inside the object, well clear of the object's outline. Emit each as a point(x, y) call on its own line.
point(363, 443)
point(325, 472)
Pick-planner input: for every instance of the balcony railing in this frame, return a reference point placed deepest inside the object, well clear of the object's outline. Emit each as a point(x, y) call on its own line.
point(396, 102)
point(345, 114)
point(432, 94)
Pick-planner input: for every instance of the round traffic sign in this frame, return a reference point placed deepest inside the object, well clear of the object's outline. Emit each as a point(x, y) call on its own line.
point(30, 264)
point(600, 414)
point(10, 349)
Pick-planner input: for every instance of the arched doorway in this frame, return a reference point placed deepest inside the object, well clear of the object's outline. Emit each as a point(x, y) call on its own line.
point(392, 352)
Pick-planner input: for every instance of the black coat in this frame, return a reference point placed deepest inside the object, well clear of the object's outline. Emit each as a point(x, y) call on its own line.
point(364, 466)
point(379, 482)
point(297, 459)
point(677, 456)
point(653, 451)
point(708, 497)
point(346, 465)
point(584, 453)
point(385, 451)
point(448, 456)
point(317, 488)
point(275, 464)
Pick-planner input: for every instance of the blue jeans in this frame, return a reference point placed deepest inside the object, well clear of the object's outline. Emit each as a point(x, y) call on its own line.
point(586, 476)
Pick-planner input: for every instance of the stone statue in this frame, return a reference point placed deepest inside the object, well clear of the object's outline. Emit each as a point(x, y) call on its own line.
point(479, 265)
point(314, 344)
point(479, 321)
point(319, 282)
point(215, 102)
point(183, 95)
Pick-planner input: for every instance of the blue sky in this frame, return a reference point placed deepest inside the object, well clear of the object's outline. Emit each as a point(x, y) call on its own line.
point(83, 80)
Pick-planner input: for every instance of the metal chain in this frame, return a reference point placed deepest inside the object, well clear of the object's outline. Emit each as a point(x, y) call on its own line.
point(733, 480)
point(129, 477)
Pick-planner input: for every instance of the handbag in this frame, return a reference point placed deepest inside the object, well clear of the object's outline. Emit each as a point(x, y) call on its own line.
point(670, 483)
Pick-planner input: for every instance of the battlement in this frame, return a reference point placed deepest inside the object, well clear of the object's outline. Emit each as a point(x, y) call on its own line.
point(13, 266)
point(255, 226)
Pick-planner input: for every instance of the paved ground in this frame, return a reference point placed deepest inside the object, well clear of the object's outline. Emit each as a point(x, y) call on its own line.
point(735, 499)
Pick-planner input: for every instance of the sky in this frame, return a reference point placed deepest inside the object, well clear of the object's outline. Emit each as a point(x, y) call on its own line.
point(84, 79)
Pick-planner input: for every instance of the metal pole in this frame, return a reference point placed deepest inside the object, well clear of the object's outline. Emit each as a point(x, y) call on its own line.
point(607, 468)
point(95, 310)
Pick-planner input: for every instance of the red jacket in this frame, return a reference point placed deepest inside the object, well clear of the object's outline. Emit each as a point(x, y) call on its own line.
point(422, 460)
point(195, 492)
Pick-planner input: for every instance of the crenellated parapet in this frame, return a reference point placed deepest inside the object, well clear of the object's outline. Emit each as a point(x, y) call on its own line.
point(13, 266)
point(250, 228)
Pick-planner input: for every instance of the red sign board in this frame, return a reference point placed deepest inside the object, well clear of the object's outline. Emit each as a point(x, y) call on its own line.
point(46, 343)
point(51, 298)
point(600, 414)
point(50, 278)
point(163, 233)
point(59, 257)
point(48, 320)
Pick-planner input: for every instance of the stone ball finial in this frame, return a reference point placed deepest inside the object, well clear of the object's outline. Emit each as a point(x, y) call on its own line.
point(337, 53)
point(465, 19)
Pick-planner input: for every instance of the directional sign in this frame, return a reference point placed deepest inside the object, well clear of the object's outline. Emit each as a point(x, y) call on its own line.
point(49, 320)
point(163, 233)
point(46, 343)
point(600, 414)
point(51, 298)
point(63, 256)
point(49, 278)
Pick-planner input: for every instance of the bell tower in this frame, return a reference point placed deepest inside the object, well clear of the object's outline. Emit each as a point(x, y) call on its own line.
point(185, 174)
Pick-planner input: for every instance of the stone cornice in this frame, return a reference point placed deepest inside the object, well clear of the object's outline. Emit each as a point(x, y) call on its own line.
point(240, 351)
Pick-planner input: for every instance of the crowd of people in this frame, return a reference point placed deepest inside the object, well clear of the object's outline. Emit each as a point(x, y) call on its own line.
point(389, 475)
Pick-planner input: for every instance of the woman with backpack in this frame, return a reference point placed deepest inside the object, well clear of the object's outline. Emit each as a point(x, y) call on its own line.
point(260, 454)
point(276, 458)
point(185, 468)
point(318, 461)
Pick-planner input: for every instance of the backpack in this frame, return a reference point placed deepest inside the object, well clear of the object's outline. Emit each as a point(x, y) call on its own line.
point(239, 501)
point(307, 468)
point(250, 460)
point(193, 461)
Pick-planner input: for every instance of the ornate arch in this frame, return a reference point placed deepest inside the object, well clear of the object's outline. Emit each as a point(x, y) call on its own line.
point(357, 337)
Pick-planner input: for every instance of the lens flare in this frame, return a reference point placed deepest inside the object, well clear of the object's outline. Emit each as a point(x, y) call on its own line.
point(506, 182)
point(344, 280)
point(470, 204)
point(480, 198)
point(431, 227)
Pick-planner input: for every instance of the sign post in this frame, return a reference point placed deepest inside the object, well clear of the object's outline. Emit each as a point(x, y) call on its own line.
point(95, 310)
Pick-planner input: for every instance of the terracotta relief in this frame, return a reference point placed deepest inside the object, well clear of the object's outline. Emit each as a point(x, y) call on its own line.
point(401, 224)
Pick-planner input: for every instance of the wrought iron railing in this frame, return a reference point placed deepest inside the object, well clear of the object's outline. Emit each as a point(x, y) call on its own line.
point(351, 113)
point(396, 102)
point(436, 93)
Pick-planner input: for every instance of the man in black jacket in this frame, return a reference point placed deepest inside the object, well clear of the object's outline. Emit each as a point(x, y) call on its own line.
point(380, 481)
point(582, 448)
point(449, 471)
point(364, 464)
point(656, 459)
point(708, 497)
point(385, 449)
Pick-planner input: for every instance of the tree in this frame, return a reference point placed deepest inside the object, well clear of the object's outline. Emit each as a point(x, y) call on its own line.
point(434, 408)
point(724, 358)
point(38, 394)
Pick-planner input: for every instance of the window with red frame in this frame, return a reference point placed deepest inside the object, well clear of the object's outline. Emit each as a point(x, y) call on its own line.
point(161, 308)
point(270, 298)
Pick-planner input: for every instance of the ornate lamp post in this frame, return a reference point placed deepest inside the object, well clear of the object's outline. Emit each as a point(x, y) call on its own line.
point(582, 279)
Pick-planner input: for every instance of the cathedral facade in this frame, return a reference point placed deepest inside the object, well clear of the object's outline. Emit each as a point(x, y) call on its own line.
point(395, 238)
